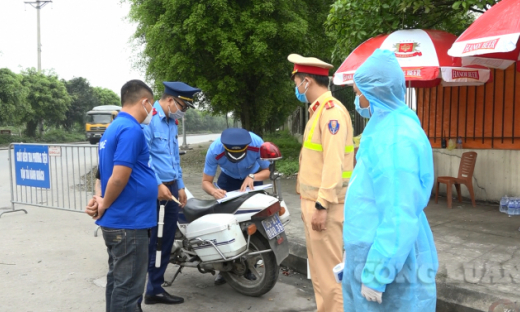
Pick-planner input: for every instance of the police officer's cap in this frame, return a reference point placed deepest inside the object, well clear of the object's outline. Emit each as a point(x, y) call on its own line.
point(181, 90)
point(309, 65)
point(235, 141)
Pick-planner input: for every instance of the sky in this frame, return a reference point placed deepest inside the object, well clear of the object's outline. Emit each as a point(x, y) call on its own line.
point(80, 38)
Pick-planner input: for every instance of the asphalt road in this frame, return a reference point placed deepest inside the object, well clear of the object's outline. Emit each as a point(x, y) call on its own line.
point(51, 261)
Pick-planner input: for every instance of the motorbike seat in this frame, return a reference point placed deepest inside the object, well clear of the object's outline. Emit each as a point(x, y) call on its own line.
point(196, 208)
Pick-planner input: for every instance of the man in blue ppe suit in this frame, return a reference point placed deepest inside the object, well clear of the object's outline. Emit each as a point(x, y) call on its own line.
point(161, 136)
point(237, 152)
point(391, 260)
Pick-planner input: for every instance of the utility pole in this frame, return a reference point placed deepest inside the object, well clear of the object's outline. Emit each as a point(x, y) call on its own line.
point(38, 4)
point(184, 143)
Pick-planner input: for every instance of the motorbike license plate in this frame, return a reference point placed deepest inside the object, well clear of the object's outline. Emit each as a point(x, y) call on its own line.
point(273, 226)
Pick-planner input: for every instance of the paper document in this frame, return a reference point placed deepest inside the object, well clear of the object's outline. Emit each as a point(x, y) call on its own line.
point(237, 193)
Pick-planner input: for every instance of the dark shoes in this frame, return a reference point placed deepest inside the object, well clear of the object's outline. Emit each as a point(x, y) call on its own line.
point(249, 276)
point(165, 298)
point(219, 280)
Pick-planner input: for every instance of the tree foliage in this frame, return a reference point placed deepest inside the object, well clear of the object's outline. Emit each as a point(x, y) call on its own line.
point(235, 51)
point(13, 104)
point(351, 22)
point(48, 98)
point(198, 121)
point(83, 99)
point(106, 96)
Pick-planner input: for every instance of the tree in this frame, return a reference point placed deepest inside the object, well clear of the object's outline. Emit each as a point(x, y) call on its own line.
point(106, 96)
point(48, 98)
point(235, 51)
point(83, 99)
point(13, 104)
point(351, 22)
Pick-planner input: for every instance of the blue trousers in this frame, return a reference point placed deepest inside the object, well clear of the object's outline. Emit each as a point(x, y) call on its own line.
point(156, 275)
point(127, 259)
point(230, 184)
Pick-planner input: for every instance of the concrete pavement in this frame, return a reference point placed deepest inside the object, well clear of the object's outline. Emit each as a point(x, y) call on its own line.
point(50, 261)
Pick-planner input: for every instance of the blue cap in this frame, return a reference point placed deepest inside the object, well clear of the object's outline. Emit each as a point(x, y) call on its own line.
point(181, 90)
point(235, 140)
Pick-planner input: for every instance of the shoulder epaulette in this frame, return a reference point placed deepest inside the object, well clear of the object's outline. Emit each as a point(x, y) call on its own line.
point(329, 105)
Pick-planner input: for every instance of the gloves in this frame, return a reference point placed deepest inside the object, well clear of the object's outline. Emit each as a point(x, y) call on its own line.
point(371, 295)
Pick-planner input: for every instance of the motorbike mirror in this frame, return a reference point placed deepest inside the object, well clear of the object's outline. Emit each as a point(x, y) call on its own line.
point(269, 151)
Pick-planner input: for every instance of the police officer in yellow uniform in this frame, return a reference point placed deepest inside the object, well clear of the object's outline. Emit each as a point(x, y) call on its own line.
point(326, 164)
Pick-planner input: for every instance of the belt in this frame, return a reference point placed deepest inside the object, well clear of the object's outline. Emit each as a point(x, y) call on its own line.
point(170, 183)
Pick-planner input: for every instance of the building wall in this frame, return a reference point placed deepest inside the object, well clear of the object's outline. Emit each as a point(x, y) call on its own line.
point(497, 172)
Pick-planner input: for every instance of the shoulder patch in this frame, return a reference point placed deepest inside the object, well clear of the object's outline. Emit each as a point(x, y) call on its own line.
point(220, 155)
point(154, 112)
point(333, 126)
point(252, 148)
point(315, 106)
point(329, 105)
point(176, 122)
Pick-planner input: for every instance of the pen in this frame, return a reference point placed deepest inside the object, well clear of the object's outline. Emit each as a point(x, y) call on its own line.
point(216, 185)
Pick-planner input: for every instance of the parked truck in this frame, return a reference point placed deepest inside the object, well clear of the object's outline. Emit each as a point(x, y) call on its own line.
point(98, 120)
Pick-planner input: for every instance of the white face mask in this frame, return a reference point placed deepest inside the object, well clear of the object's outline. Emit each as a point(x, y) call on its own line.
point(178, 114)
point(148, 118)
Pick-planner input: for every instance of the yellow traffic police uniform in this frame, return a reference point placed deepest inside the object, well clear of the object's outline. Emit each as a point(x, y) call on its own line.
point(326, 164)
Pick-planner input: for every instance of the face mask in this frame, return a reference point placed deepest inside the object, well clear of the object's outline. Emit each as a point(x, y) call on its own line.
point(234, 159)
point(301, 96)
point(178, 114)
point(364, 112)
point(148, 118)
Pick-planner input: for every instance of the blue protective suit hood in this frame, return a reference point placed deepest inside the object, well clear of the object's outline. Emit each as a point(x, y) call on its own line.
point(381, 80)
point(388, 241)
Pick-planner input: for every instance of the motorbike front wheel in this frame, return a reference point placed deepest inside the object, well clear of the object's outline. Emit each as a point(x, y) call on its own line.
point(262, 266)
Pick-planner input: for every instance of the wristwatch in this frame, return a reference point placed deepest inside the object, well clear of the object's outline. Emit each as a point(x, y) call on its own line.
point(319, 206)
point(252, 176)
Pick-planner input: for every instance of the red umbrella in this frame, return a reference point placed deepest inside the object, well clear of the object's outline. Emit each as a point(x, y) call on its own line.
point(422, 55)
point(492, 40)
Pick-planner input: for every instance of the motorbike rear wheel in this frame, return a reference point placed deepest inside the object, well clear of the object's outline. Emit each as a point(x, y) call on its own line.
point(262, 266)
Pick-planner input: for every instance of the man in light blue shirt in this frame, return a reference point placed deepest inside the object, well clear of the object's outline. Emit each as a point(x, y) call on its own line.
point(237, 152)
point(161, 136)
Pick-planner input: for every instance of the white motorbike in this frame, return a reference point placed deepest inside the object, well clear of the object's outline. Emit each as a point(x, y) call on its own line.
point(243, 238)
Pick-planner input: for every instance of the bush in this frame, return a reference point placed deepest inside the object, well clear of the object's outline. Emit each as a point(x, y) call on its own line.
point(288, 166)
point(52, 136)
point(61, 136)
point(290, 149)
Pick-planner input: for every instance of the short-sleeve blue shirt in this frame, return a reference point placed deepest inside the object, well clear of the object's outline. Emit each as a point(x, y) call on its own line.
point(162, 138)
point(123, 144)
point(250, 164)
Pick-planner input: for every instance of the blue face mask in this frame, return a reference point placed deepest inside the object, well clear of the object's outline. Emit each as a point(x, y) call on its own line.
point(301, 96)
point(364, 112)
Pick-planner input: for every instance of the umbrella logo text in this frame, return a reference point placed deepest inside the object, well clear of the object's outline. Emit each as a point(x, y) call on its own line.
point(486, 45)
point(468, 74)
